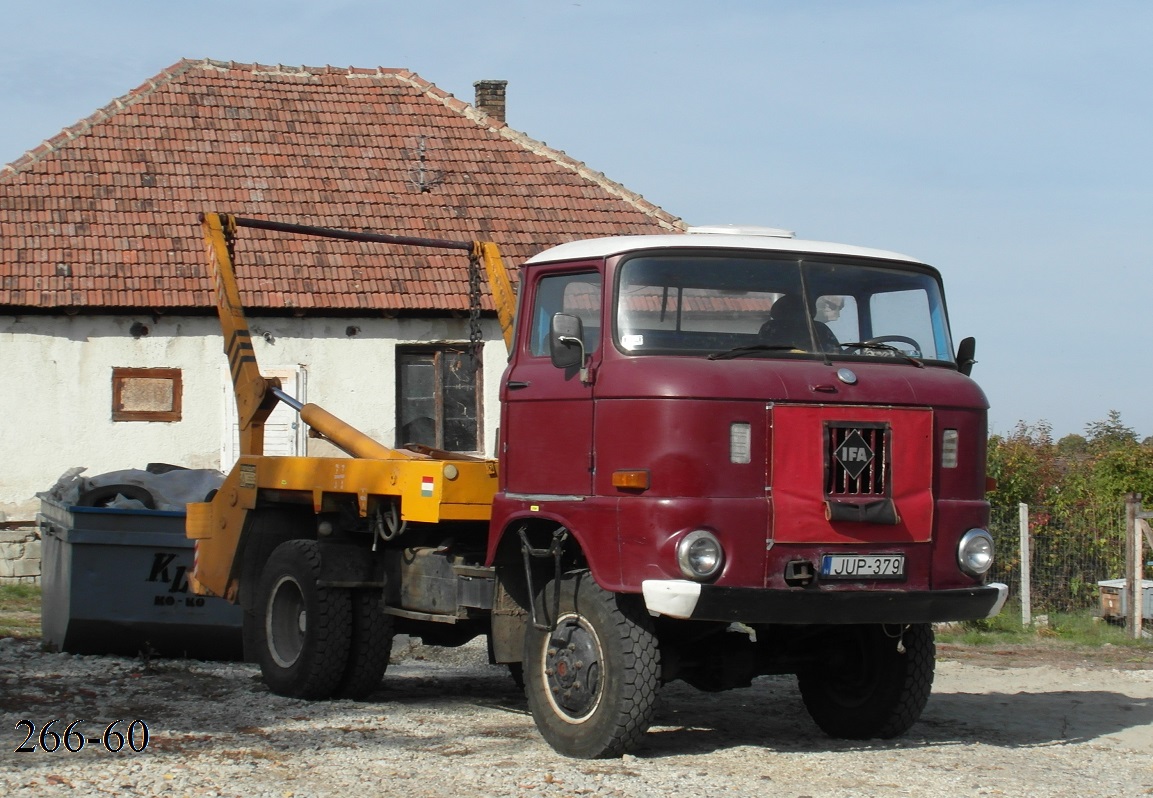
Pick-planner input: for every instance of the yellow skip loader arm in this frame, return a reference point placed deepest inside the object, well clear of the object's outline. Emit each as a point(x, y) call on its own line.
point(421, 484)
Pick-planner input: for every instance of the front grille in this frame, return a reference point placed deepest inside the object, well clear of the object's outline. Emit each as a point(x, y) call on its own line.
point(856, 459)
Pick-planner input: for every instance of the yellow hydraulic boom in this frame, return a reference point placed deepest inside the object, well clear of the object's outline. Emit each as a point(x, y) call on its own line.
point(411, 484)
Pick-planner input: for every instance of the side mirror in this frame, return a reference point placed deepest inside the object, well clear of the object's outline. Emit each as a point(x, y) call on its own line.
point(965, 351)
point(566, 342)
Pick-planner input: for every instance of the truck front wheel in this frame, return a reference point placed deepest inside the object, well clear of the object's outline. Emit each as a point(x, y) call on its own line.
point(302, 630)
point(592, 681)
point(874, 682)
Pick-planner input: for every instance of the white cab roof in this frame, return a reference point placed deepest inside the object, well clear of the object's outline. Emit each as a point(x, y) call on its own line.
point(708, 238)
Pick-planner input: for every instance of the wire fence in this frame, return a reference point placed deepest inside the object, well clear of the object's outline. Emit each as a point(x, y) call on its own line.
point(1072, 550)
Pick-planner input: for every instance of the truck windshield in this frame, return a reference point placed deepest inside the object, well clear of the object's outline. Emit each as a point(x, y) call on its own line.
point(779, 305)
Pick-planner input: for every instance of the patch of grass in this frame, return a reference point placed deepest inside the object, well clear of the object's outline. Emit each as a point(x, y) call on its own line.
point(1003, 628)
point(1087, 630)
point(19, 610)
point(967, 634)
point(1078, 629)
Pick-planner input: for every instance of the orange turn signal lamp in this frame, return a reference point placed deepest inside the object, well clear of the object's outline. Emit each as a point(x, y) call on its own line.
point(637, 479)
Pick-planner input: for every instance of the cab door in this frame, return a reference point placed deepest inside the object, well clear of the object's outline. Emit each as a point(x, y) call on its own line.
point(547, 412)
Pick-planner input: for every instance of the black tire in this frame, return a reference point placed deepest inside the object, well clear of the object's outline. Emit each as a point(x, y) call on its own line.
point(101, 496)
point(592, 682)
point(369, 648)
point(302, 631)
point(874, 683)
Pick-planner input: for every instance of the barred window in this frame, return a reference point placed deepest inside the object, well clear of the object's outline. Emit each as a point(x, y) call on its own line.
point(438, 398)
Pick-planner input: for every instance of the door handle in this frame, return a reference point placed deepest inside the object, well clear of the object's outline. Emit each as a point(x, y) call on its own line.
point(516, 385)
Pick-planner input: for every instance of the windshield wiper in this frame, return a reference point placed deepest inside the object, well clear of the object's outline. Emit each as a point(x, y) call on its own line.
point(740, 351)
point(884, 348)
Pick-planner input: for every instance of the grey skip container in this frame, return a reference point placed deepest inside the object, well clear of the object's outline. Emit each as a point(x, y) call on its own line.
point(116, 582)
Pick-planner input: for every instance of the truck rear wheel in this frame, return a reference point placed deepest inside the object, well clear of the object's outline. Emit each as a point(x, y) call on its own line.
point(369, 648)
point(592, 682)
point(302, 630)
point(874, 683)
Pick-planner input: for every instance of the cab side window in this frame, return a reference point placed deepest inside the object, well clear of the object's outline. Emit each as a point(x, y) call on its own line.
point(575, 294)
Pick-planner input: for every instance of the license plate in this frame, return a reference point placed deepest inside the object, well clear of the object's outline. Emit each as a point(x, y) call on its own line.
point(863, 566)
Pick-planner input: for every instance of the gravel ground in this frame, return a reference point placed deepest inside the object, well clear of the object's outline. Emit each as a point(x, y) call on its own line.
point(1012, 723)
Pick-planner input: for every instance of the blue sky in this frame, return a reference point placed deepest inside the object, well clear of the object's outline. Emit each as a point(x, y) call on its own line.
point(1007, 143)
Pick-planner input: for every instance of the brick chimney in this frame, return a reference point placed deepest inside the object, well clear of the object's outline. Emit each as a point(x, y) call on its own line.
point(490, 97)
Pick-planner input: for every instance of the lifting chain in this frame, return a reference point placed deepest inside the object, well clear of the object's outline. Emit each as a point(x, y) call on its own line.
point(475, 333)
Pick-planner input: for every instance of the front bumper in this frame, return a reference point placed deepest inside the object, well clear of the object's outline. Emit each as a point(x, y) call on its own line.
point(680, 598)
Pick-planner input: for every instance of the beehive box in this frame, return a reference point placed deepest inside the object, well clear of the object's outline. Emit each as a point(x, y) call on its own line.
point(1115, 598)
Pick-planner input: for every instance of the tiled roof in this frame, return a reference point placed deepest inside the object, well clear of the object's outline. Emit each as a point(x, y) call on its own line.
point(104, 215)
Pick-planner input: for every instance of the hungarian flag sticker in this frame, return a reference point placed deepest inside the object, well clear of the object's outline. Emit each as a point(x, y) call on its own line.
point(426, 484)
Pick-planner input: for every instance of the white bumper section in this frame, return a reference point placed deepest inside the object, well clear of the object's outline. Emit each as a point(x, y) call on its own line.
point(1002, 594)
point(676, 598)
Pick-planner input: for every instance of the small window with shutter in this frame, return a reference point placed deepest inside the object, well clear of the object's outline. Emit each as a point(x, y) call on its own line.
point(140, 394)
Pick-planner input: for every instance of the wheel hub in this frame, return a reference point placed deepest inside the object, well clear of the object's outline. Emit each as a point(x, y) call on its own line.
point(286, 622)
point(572, 668)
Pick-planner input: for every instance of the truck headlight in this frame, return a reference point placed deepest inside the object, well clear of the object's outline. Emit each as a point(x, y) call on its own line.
point(975, 552)
point(700, 555)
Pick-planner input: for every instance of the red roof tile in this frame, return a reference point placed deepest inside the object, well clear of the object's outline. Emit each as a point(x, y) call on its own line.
point(104, 215)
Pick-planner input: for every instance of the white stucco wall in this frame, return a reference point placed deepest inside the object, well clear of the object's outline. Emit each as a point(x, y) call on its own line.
point(56, 389)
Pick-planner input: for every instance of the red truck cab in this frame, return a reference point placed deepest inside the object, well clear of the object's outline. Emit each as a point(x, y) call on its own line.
point(765, 452)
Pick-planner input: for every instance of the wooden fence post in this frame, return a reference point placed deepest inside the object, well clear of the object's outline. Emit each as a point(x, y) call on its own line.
point(1134, 566)
point(1135, 563)
point(1026, 566)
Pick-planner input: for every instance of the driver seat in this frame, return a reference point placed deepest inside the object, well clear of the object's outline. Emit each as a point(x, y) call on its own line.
point(787, 326)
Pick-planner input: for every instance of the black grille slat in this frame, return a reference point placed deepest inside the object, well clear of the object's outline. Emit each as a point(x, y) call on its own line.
point(873, 478)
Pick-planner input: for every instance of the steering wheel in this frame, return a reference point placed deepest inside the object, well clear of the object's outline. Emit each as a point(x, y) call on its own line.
point(900, 339)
